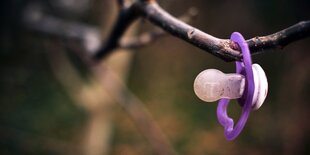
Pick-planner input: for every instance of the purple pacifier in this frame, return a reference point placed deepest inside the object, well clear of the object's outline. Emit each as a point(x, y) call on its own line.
point(250, 88)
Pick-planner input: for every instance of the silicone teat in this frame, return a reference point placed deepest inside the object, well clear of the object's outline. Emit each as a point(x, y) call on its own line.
point(211, 85)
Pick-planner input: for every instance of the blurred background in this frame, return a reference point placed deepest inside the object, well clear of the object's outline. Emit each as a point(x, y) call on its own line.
point(51, 103)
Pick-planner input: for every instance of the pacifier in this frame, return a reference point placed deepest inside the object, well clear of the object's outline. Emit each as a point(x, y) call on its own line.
point(249, 85)
point(211, 85)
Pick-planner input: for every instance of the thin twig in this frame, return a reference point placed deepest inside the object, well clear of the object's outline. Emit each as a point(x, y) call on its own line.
point(142, 40)
point(51, 26)
point(149, 37)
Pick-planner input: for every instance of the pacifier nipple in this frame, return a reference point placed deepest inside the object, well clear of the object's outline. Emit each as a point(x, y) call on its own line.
point(211, 85)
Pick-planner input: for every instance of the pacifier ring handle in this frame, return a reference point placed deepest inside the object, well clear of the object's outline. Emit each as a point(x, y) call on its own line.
point(245, 68)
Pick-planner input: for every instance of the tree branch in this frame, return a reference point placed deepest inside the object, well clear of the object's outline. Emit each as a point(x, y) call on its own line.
point(218, 47)
point(149, 37)
point(125, 18)
point(280, 39)
point(221, 48)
